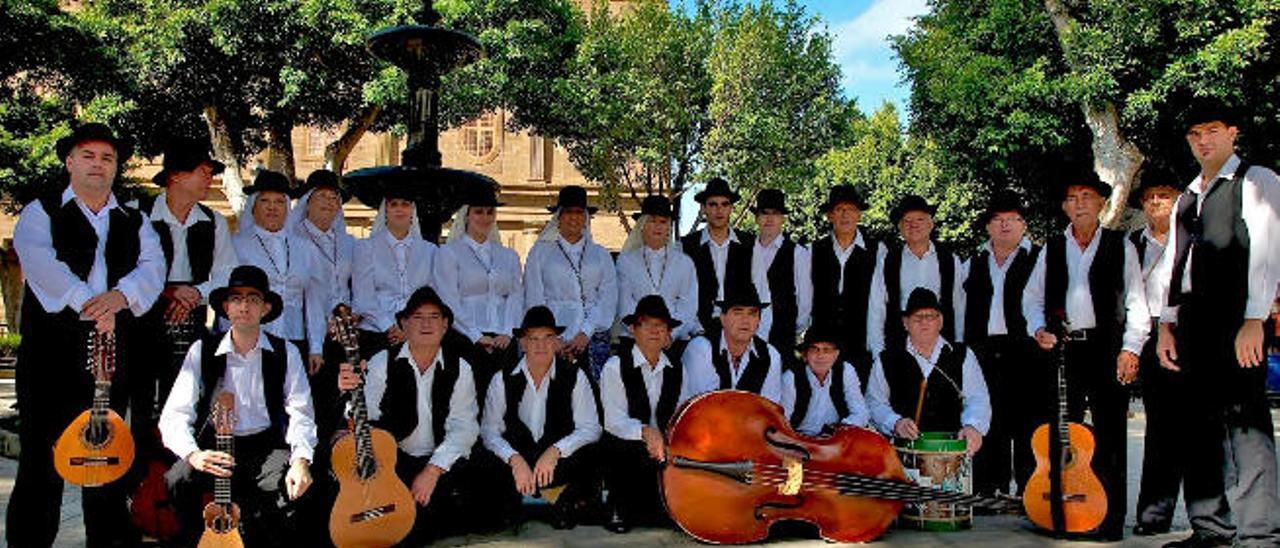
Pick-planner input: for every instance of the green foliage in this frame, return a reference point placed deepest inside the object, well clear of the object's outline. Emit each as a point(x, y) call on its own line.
point(9, 344)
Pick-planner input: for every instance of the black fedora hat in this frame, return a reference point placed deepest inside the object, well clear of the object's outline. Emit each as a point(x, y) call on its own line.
point(323, 178)
point(1203, 110)
point(921, 299)
point(269, 181)
point(1004, 202)
point(482, 197)
point(653, 306)
point(252, 277)
point(422, 296)
point(819, 333)
point(183, 155)
point(1155, 176)
point(538, 316)
point(770, 198)
point(572, 196)
point(843, 193)
point(717, 187)
point(1085, 177)
point(741, 294)
point(658, 205)
point(909, 203)
point(94, 131)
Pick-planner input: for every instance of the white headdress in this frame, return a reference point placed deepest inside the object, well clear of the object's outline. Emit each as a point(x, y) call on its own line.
point(380, 221)
point(551, 232)
point(246, 220)
point(298, 214)
point(458, 228)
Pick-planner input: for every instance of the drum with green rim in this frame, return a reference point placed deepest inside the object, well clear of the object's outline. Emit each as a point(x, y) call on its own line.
point(938, 460)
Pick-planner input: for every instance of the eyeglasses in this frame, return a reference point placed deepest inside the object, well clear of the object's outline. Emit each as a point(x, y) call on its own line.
point(240, 298)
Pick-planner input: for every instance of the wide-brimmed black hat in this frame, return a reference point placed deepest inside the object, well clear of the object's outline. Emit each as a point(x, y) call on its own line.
point(1085, 177)
point(819, 333)
point(269, 181)
point(1155, 176)
point(1004, 202)
point(424, 295)
point(770, 198)
point(843, 193)
point(658, 205)
point(717, 187)
point(741, 294)
point(1203, 110)
point(921, 299)
point(482, 197)
point(909, 203)
point(538, 316)
point(653, 306)
point(183, 155)
point(94, 131)
point(253, 277)
point(572, 196)
point(323, 178)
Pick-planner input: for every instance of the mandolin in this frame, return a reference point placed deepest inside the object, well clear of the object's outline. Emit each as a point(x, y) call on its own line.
point(97, 447)
point(1063, 473)
point(373, 508)
point(222, 517)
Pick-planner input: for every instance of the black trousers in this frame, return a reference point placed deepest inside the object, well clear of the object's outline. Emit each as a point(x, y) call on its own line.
point(453, 504)
point(1164, 398)
point(632, 477)
point(1018, 383)
point(1092, 386)
point(498, 485)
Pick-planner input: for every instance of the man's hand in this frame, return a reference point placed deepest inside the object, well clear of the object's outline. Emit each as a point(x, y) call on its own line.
point(906, 428)
point(215, 463)
point(314, 363)
point(424, 484)
point(185, 294)
point(545, 470)
point(501, 342)
point(1167, 348)
point(298, 479)
point(347, 377)
point(102, 309)
point(1045, 339)
point(1249, 344)
point(1126, 367)
point(972, 439)
point(654, 443)
point(575, 346)
point(525, 483)
point(395, 335)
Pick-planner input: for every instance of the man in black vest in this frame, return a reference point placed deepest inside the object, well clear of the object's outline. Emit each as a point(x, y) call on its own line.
point(780, 271)
point(999, 328)
point(541, 411)
point(639, 389)
point(955, 398)
point(731, 355)
point(843, 263)
point(90, 263)
point(1222, 281)
point(434, 439)
point(721, 255)
point(918, 261)
point(822, 391)
point(1093, 292)
point(275, 430)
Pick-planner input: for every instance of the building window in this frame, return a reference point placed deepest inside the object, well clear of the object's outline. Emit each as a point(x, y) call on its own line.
point(480, 137)
point(317, 140)
point(540, 155)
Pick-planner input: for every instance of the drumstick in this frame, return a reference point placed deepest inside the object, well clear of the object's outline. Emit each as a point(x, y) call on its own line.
point(924, 385)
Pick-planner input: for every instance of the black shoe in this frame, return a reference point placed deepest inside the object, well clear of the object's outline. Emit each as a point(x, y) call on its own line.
point(1148, 529)
point(616, 523)
point(561, 518)
point(1197, 540)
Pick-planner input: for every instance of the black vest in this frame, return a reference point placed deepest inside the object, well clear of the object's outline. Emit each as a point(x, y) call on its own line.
point(200, 241)
point(979, 293)
point(782, 297)
point(638, 404)
point(274, 365)
point(943, 402)
point(559, 421)
point(76, 243)
point(737, 270)
point(1219, 238)
point(399, 405)
point(1106, 284)
point(894, 333)
point(804, 393)
point(844, 309)
point(1140, 245)
point(757, 367)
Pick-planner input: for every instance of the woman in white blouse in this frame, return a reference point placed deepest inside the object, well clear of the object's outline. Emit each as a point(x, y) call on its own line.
point(575, 278)
point(649, 265)
point(390, 265)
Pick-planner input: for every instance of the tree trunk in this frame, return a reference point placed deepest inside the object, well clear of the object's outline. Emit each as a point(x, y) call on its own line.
point(1115, 159)
point(224, 151)
point(335, 154)
point(280, 150)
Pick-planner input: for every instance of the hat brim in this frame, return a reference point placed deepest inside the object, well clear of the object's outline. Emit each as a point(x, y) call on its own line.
point(219, 295)
point(161, 179)
point(636, 216)
point(898, 214)
point(701, 197)
point(630, 319)
point(1135, 197)
point(756, 210)
point(725, 305)
point(591, 210)
point(343, 193)
point(828, 205)
point(1100, 187)
point(519, 331)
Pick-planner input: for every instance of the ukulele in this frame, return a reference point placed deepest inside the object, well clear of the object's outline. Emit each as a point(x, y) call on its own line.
point(373, 508)
point(97, 447)
point(222, 517)
point(1066, 476)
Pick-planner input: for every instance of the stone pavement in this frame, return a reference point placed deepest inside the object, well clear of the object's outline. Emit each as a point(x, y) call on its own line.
point(1002, 531)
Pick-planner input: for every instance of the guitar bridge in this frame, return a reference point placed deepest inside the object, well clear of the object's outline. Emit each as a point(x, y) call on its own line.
point(372, 513)
point(1077, 497)
point(94, 461)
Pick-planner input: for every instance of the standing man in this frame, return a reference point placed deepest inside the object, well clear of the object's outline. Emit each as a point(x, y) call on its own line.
point(780, 270)
point(731, 356)
point(721, 254)
point(843, 265)
point(1222, 281)
point(91, 263)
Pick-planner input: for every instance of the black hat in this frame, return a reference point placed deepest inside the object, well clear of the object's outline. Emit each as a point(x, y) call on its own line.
point(1085, 177)
point(323, 178)
point(717, 187)
point(1203, 110)
point(572, 196)
point(921, 299)
point(251, 276)
point(424, 295)
point(909, 203)
point(95, 132)
point(770, 198)
point(819, 333)
point(1003, 202)
point(269, 181)
point(482, 197)
point(183, 155)
point(1155, 176)
point(655, 205)
point(538, 316)
point(741, 294)
point(843, 193)
point(652, 306)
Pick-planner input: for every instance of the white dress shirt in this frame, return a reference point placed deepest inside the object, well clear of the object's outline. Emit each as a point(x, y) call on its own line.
point(1157, 288)
point(533, 413)
point(613, 394)
point(576, 281)
point(333, 254)
point(52, 281)
point(700, 374)
point(482, 284)
point(287, 261)
point(843, 254)
point(243, 378)
point(387, 272)
point(1032, 296)
point(976, 410)
point(719, 260)
point(916, 272)
point(822, 409)
point(461, 427)
point(224, 254)
point(1079, 303)
point(667, 272)
point(761, 259)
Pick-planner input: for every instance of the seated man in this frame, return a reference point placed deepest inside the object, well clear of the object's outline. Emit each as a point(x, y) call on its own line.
point(425, 396)
point(638, 390)
point(269, 382)
point(955, 393)
point(730, 356)
point(824, 392)
point(538, 415)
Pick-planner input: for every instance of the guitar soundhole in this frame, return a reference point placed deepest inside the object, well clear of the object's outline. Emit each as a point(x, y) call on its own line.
point(223, 524)
point(95, 434)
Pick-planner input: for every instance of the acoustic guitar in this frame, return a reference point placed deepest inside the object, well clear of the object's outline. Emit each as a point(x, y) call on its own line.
point(1063, 473)
point(97, 447)
point(373, 508)
point(222, 516)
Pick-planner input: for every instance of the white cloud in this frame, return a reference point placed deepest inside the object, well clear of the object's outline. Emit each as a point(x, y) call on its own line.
point(870, 30)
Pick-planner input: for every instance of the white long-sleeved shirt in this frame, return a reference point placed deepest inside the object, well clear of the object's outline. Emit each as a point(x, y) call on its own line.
point(482, 283)
point(719, 261)
point(822, 409)
point(1032, 296)
point(1260, 210)
point(667, 272)
point(762, 257)
point(533, 413)
point(1156, 288)
point(243, 377)
point(224, 254)
point(916, 272)
point(461, 427)
point(52, 281)
point(1080, 314)
point(700, 373)
point(577, 282)
point(333, 253)
point(287, 261)
point(613, 394)
point(976, 410)
point(387, 272)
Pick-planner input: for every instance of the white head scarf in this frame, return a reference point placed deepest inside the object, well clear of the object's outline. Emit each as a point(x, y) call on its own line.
point(380, 221)
point(551, 232)
point(459, 227)
point(635, 240)
point(298, 215)
point(246, 220)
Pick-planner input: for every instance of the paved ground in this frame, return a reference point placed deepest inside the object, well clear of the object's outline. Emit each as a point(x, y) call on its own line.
point(1003, 531)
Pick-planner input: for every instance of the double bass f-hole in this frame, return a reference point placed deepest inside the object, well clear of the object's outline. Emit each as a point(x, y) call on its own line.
point(771, 437)
point(794, 457)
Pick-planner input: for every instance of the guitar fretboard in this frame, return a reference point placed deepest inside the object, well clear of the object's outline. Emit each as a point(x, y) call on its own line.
point(221, 485)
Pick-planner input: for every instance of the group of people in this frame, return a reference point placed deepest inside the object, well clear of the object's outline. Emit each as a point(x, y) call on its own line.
point(567, 371)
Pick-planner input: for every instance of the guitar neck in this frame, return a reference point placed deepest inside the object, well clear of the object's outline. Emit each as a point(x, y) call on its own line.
point(1064, 432)
point(222, 486)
